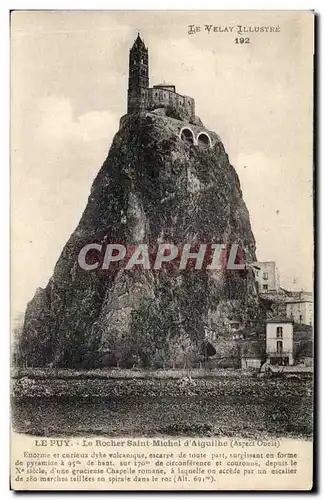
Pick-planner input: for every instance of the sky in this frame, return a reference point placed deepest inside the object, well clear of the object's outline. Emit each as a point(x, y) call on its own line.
point(69, 73)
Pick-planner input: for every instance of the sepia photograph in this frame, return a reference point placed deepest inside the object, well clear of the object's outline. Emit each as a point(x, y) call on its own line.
point(162, 301)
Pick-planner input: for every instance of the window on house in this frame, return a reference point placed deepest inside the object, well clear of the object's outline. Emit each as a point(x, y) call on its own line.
point(265, 287)
point(279, 332)
point(265, 276)
point(300, 318)
point(279, 346)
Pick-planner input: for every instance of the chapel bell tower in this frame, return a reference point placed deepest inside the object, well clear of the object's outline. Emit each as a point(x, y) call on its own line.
point(138, 79)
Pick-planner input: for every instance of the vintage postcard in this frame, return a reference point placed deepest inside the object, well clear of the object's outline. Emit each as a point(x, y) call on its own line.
point(162, 250)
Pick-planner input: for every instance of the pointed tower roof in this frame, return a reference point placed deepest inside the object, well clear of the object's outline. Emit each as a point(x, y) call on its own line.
point(138, 44)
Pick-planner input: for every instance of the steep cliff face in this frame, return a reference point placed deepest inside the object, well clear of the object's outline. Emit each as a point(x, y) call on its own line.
point(153, 187)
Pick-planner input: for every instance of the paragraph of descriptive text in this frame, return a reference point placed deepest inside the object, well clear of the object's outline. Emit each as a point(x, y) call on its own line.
point(159, 463)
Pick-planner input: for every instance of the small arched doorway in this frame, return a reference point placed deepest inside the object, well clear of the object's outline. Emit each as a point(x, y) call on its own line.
point(203, 140)
point(187, 136)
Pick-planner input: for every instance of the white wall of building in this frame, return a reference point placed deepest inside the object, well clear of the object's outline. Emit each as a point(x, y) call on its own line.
point(300, 311)
point(267, 276)
point(280, 333)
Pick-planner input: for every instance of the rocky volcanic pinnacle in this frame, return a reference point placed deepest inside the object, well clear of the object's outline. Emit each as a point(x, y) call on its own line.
point(153, 187)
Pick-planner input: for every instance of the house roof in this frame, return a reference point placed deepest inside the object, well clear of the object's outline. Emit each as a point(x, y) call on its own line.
point(292, 300)
point(280, 319)
point(163, 85)
point(299, 294)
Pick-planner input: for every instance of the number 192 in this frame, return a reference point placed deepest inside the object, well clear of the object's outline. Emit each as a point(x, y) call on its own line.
point(242, 40)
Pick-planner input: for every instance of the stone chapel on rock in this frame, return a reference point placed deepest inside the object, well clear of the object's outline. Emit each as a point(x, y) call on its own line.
point(142, 97)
